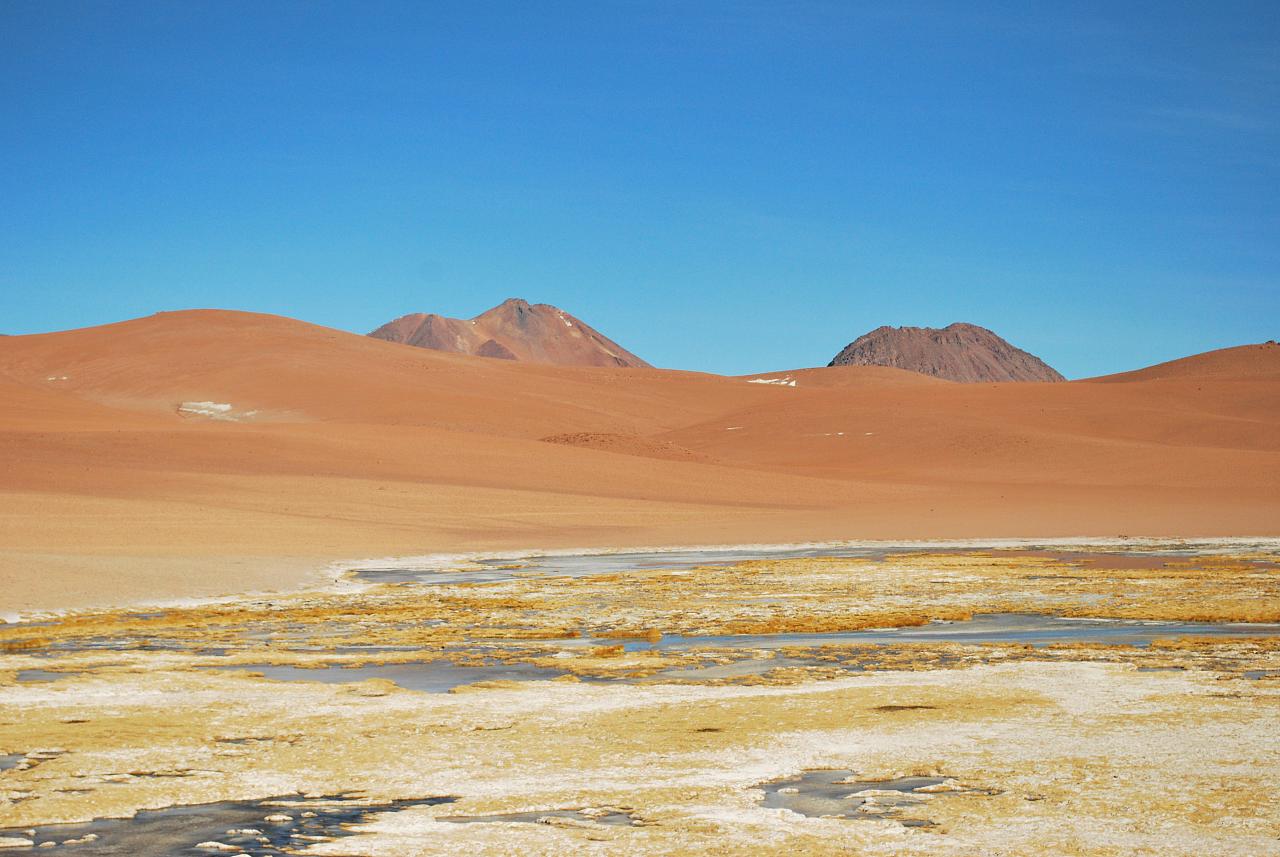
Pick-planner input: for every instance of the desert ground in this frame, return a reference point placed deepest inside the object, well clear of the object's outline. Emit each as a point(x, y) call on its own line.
point(325, 446)
point(271, 588)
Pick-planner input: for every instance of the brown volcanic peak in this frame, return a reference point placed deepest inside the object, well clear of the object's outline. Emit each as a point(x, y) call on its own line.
point(957, 352)
point(513, 330)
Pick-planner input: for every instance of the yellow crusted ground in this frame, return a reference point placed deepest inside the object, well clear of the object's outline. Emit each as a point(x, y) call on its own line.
point(1069, 749)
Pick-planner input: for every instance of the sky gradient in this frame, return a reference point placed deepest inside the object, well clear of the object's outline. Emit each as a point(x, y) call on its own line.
point(728, 187)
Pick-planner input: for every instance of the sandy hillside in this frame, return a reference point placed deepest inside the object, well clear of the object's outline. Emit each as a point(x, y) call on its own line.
point(205, 452)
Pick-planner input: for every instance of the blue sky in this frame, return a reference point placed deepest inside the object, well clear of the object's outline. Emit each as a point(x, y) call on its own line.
point(731, 187)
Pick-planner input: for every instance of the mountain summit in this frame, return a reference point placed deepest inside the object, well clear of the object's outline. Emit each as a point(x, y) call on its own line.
point(513, 330)
point(957, 352)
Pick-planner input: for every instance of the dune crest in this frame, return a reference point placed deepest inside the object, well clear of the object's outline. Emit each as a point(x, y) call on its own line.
point(1242, 361)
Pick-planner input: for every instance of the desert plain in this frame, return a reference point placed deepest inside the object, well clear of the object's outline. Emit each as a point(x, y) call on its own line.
point(273, 588)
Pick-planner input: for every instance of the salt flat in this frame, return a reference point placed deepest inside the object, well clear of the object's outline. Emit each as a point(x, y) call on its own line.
point(572, 720)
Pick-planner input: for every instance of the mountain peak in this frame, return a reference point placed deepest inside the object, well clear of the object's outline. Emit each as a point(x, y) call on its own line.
point(511, 304)
point(513, 330)
point(961, 351)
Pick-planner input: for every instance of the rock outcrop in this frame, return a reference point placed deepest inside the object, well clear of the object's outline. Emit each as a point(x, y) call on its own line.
point(958, 352)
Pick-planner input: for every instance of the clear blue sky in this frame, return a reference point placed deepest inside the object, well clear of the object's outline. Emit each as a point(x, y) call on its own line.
point(731, 187)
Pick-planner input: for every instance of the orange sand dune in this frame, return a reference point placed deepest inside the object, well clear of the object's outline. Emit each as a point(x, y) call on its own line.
point(1243, 361)
point(205, 452)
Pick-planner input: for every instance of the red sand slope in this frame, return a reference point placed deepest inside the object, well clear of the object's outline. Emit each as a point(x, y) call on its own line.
point(341, 446)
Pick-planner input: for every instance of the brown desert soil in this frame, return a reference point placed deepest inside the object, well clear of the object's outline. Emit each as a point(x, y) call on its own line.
point(120, 483)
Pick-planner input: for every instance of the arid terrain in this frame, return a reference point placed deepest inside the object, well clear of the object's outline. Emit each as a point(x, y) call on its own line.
point(1111, 699)
point(205, 453)
point(203, 653)
point(639, 429)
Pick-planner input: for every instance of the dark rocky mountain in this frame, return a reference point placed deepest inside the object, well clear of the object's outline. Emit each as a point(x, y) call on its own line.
point(958, 352)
